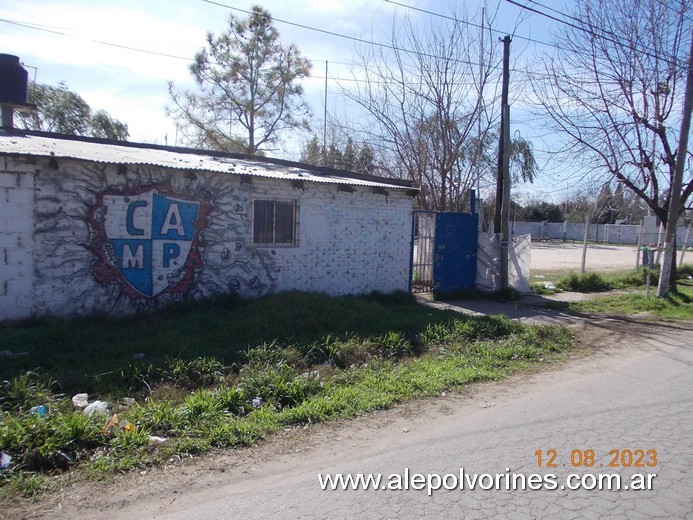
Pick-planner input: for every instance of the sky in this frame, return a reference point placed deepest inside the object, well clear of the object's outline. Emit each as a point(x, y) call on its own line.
point(120, 56)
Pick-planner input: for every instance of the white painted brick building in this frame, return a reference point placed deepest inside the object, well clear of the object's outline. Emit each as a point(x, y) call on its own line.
point(89, 226)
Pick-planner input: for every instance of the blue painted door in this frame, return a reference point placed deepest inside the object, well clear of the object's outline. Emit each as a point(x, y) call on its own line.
point(454, 252)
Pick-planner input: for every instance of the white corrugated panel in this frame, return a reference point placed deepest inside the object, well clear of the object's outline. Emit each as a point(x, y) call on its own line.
point(32, 145)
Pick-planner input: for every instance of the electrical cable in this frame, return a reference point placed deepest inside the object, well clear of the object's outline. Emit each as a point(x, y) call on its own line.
point(672, 60)
point(101, 42)
point(466, 22)
point(353, 38)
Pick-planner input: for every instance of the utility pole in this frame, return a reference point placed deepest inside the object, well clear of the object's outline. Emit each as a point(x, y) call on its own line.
point(324, 129)
point(501, 222)
point(669, 256)
point(482, 111)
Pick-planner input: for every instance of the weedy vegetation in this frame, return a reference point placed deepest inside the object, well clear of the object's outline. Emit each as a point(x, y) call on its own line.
point(228, 373)
point(632, 298)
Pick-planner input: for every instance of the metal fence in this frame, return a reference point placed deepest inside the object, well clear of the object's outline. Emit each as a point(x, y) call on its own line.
point(422, 254)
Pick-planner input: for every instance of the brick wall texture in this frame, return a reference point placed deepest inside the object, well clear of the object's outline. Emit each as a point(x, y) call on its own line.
point(90, 237)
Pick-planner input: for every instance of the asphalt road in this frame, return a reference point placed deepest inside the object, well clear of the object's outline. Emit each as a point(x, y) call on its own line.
point(634, 396)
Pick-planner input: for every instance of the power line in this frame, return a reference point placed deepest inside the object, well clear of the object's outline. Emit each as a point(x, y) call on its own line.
point(672, 60)
point(100, 42)
point(680, 13)
point(519, 71)
point(353, 38)
point(58, 31)
point(466, 22)
point(591, 26)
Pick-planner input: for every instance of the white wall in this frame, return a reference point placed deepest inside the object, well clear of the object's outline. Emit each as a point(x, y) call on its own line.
point(62, 233)
point(16, 241)
point(348, 242)
point(488, 262)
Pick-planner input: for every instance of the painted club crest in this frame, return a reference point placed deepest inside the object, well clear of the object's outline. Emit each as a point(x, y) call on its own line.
point(150, 238)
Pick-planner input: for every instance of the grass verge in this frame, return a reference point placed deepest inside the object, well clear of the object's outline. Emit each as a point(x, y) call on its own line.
point(678, 305)
point(229, 373)
point(599, 282)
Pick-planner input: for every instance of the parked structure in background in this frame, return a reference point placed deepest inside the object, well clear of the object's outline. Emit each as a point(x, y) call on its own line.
point(90, 226)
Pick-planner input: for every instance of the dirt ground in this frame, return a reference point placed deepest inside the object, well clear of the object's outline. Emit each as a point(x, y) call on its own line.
point(158, 489)
point(568, 257)
point(548, 257)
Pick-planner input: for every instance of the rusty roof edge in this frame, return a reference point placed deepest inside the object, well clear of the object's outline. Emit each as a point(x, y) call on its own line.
point(321, 171)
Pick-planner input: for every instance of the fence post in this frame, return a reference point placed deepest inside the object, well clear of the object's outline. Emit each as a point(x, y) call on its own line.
point(659, 242)
point(649, 269)
point(584, 243)
point(685, 243)
point(637, 253)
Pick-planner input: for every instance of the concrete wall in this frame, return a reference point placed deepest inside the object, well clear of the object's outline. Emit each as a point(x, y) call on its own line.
point(488, 262)
point(603, 233)
point(16, 243)
point(88, 237)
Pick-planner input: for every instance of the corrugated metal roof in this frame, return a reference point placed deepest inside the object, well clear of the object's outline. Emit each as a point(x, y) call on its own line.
point(24, 143)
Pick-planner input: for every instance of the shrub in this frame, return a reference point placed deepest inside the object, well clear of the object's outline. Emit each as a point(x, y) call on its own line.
point(54, 441)
point(196, 373)
point(684, 271)
point(25, 391)
point(278, 385)
point(584, 282)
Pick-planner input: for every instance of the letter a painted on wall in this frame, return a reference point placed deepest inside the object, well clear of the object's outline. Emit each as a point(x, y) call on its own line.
point(151, 237)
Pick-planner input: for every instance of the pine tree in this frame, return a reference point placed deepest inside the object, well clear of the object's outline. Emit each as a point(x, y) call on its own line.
point(349, 156)
point(249, 88)
point(312, 153)
point(365, 162)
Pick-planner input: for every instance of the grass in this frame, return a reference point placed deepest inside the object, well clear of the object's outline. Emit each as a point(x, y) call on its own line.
point(543, 289)
point(678, 305)
point(229, 373)
point(599, 282)
point(91, 354)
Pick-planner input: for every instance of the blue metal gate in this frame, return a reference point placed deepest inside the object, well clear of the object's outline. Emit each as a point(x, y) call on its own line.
point(444, 249)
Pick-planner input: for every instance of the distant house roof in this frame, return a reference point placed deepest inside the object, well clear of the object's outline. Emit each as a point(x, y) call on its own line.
point(41, 144)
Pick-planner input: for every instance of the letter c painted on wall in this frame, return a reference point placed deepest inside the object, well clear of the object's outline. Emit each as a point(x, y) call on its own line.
point(129, 221)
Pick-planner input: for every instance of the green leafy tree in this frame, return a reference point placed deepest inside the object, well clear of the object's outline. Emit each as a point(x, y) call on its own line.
point(312, 152)
point(366, 160)
point(249, 88)
point(349, 155)
point(106, 127)
point(539, 212)
point(523, 165)
point(63, 111)
point(334, 157)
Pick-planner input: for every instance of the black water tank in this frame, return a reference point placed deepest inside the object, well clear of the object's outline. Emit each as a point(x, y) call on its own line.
point(13, 80)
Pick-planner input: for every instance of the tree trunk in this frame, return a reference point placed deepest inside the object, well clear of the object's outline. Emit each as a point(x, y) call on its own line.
point(667, 276)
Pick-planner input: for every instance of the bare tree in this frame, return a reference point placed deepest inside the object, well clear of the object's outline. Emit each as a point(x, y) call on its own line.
point(425, 93)
point(614, 90)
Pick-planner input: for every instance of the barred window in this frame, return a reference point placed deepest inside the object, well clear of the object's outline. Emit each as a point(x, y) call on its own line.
point(274, 222)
